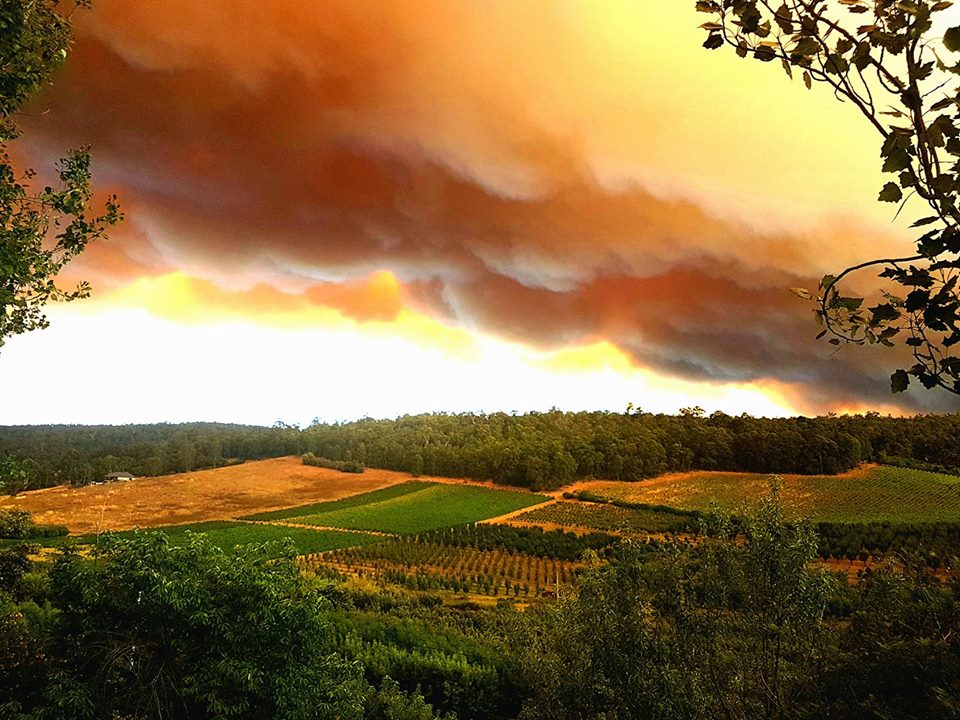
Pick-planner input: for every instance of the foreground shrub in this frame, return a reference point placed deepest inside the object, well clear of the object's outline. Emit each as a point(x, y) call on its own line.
point(152, 630)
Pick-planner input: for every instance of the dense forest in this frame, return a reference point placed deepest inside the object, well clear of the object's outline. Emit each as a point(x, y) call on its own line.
point(537, 450)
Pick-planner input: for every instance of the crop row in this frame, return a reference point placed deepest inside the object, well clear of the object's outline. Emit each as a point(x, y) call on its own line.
point(935, 543)
point(608, 518)
point(488, 572)
point(557, 544)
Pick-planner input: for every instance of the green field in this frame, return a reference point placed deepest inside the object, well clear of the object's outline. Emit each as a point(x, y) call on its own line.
point(387, 493)
point(881, 493)
point(227, 535)
point(427, 506)
point(305, 540)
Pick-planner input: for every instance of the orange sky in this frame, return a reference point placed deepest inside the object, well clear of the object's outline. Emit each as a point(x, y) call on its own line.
point(573, 203)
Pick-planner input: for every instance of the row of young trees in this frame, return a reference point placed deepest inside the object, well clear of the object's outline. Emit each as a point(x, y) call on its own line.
point(538, 450)
point(556, 544)
point(934, 544)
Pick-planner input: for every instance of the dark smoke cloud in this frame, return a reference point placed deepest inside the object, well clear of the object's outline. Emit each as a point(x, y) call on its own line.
point(302, 150)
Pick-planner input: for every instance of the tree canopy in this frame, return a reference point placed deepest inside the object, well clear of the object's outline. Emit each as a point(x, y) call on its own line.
point(898, 63)
point(146, 629)
point(41, 228)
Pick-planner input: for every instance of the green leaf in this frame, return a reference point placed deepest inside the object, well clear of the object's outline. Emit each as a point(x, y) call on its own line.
point(884, 312)
point(951, 39)
point(897, 160)
point(899, 381)
point(891, 193)
point(713, 41)
point(806, 46)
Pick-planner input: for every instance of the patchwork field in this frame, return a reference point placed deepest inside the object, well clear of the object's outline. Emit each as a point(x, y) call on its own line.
point(481, 559)
point(869, 494)
point(411, 508)
point(295, 514)
point(350, 515)
point(218, 494)
point(228, 535)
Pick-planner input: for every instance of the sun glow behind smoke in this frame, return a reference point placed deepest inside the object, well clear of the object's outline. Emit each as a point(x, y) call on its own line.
point(186, 363)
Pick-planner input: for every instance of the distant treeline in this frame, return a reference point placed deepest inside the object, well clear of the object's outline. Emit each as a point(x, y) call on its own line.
point(47, 455)
point(537, 450)
point(547, 450)
point(350, 466)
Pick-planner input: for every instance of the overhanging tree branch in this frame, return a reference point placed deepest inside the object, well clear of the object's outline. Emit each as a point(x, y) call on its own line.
point(876, 53)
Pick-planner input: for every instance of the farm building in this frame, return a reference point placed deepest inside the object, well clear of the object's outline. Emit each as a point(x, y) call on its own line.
point(117, 476)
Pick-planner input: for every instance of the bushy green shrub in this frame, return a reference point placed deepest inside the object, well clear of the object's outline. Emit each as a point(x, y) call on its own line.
point(349, 466)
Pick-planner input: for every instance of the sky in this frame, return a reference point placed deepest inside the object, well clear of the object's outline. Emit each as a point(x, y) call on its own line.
point(376, 208)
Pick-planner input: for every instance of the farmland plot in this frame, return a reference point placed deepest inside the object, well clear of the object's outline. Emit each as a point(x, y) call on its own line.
point(432, 566)
point(228, 535)
point(877, 493)
point(418, 507)
point(604, 518)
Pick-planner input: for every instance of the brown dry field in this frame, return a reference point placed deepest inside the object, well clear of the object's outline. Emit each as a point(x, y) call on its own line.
point(669, 480)
point(218, 494)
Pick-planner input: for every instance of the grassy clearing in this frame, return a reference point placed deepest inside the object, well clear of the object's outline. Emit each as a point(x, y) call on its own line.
point(880, 493)
point(388, 493)
point(427, 507)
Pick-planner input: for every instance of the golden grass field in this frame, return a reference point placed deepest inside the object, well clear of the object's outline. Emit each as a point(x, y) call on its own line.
point(870, 493)
point(677, 489)
point(217, 494)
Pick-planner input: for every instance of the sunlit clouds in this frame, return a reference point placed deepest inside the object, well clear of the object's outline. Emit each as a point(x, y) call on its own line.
point(140, 367)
